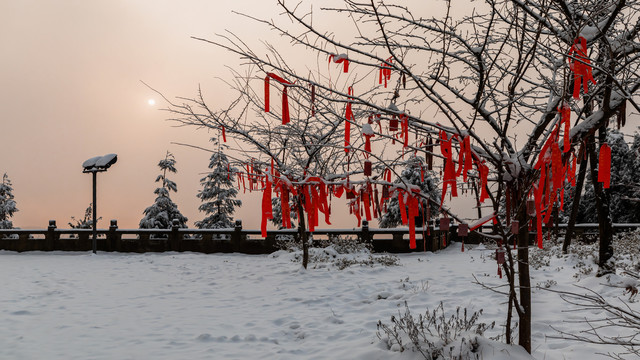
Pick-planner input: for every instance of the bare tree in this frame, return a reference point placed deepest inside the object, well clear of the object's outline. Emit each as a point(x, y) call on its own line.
point(497, 86)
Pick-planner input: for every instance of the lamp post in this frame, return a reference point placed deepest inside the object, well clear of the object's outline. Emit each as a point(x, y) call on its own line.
point(94, 166)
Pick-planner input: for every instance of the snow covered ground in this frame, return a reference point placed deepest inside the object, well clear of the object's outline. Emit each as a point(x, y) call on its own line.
point(232, 306)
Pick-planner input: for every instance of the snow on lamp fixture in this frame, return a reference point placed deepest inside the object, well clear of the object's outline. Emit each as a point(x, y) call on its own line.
point(95, 165)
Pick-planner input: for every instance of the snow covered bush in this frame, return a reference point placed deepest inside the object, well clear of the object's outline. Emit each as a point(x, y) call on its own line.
point(337, 251)
point(86, 222)
point(7, 204)
point(435, 335)
point(163, 211)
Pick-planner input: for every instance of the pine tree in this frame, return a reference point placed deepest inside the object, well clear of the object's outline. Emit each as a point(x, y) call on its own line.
point(625, 172)
point(412, 175)
point(218, 194)
point(161, 214)
point(7, 204)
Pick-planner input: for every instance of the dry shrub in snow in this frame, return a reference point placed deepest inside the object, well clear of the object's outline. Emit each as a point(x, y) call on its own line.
point(340, 252)
point(435, 335)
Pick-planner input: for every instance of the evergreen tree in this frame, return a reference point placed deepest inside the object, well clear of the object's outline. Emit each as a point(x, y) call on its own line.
point(624, 190)
point(161, 214)
point(412, 175)
point(277, 212)
point(218, 194)
point(7, 204)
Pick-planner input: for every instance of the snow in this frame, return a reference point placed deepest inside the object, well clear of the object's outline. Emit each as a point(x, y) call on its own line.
point(231, 306)
point(367, 129)
point(107, 160)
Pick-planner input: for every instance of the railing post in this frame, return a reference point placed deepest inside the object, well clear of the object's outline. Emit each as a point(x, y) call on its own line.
point(174, 238)
point(236, 237)
point(51, 235)
point(113, 241)
point(365, 235)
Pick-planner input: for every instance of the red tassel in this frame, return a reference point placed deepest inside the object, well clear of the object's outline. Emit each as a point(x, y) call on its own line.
point(604, 166)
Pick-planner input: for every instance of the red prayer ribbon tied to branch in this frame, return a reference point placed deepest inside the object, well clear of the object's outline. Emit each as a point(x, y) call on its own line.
point(408, 199)
point(404, 126)
point(342, 58)
point(565, 117)
point(347, 124)
point(385, 71)
point(604, 166)
point(465, 159)
point(449, 178)
point(580, 64)
point(267, 208)
point(285, 98)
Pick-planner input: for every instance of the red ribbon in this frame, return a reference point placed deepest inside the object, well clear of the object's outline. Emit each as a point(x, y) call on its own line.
point(565, 117)
point(483, 169)
point(285, 98)
point(465, 158)
point(572, 171)
point(267, 209)
point(347, 123)
point(581, 66)
point(342, 58)
point(449, 169)
point(604, 166)
point(404, 125)
point(385, 71)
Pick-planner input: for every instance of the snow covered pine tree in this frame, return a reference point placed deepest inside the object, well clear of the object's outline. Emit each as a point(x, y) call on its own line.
point(7, 204)
point(163, 211)
point(218, 194)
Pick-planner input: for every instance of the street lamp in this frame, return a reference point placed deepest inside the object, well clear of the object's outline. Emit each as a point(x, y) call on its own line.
point(95, 165)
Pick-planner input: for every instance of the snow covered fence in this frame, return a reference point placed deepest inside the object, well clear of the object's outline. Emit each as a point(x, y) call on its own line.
point(229, 240)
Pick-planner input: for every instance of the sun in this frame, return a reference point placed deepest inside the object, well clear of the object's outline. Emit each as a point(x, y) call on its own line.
point(151, 102)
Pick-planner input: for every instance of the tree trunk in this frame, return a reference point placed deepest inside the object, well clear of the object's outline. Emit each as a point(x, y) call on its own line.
point(602, 204)
point(302, 231)
point(577, 195)
point(524, 333)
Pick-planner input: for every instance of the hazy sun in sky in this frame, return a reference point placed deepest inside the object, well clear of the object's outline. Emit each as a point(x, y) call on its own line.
point(151, 102)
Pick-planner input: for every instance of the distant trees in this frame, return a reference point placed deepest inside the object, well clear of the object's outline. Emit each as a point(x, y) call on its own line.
point(164, 210)
point(218, 193)
point(7, 204)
